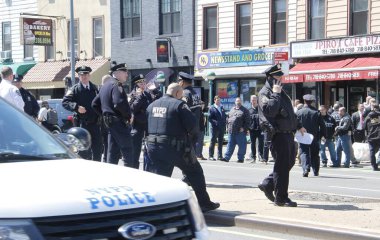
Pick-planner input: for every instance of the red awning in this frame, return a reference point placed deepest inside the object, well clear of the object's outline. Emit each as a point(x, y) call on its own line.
point(336, 69)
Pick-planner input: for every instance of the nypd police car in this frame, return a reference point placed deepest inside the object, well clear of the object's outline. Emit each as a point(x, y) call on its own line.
point(48, 193)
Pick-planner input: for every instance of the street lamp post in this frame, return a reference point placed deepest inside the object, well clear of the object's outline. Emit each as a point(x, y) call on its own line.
point(72, 45)
point(210, 77)
point(160, 78)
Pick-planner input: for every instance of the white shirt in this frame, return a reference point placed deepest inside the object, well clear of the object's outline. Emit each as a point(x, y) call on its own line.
point(42, 114)
point(11, 93)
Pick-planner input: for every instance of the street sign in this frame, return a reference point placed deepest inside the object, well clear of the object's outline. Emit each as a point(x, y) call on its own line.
point(281, 56)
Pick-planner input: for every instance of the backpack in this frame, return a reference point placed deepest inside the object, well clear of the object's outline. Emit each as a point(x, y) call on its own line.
point(52, 116)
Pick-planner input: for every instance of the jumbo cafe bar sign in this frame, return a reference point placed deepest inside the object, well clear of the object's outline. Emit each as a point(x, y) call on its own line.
point(336, 46)
point(37, 31)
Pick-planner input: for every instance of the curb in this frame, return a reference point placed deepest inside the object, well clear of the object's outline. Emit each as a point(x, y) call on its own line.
point(287, 226)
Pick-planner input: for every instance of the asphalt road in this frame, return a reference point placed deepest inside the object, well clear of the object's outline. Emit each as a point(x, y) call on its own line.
point(358, 182)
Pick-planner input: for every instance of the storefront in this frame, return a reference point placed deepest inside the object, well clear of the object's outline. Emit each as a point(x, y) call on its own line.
point(237, 73)
point(337, 69)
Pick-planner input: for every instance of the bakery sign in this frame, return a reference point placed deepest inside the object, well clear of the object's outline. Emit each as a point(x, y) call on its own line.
point(37, 31)
point(336, 46)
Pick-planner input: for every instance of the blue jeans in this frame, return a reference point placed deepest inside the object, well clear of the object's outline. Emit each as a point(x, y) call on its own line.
point(343, 143)
point(241, 140)
point(322, 150)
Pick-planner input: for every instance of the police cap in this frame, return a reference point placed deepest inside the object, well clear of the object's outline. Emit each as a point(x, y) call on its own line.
point(274, 70)
point(138, 79)
point(17, 78)
point(83, 70)
point(308, 97)
point(185, 77)
point(119, 67)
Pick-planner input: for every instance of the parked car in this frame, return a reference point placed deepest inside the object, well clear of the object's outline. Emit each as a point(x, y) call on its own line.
point(65, 117)
point(48, 193)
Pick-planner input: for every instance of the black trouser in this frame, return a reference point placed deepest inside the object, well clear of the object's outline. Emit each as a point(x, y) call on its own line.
point(373, 148)
point(162, 159)
point(265, 148)
point(309, 155)
point(256, 135)
point(283, 152)
point(359, 135)
point(95, 152)
point(137, 137)
point(104, 131)
point(217, 134)
point(120, 140)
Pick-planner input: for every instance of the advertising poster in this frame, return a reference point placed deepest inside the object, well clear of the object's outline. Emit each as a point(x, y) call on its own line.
point(228, 92)
point(37, 31)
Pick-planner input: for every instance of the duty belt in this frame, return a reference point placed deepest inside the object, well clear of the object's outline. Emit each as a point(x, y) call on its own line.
point(284, 131)
point(165, 139)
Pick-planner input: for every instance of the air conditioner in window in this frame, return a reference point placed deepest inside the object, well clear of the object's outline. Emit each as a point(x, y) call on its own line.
point(6, 54)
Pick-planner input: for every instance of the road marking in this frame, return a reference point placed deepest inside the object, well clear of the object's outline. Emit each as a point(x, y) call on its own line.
point(361, 189)
point(243, 234)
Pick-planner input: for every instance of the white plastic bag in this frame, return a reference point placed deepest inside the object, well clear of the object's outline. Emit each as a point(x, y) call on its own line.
point(361, 151)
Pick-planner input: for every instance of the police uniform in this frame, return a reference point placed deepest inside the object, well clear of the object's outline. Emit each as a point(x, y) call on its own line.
point(12, 94)
point(81, 95)
point(170, 121)
point(310, 119)
point(31, 106)
point(372, 127)
point(278, 119)
point(139, 101)
point(112, 104)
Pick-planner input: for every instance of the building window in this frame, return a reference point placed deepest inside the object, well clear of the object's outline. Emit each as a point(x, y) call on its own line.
point(359, 17)
point(76, 42)
point(316, 19)
point(243, 25)
point(170, 16)
point(49, 52)
point(98, 36)
point(7, 37)
point(278, 21)
point(130, 20)
point(28, 51)
point(210, 33)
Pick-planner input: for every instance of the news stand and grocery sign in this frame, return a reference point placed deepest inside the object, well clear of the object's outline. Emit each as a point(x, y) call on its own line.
point(37, 31)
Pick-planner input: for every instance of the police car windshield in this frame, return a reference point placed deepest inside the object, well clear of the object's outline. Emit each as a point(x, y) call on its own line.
point(22, 139)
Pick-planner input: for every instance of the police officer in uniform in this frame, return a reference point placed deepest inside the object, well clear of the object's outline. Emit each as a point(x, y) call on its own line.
point(8, 91)
point(78, 100)
point(112, 104)
point(31, 105)
point(170, 122)
point(278, 119)
point(140, 100)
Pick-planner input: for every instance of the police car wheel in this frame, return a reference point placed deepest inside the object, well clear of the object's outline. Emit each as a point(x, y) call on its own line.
point(56, 131)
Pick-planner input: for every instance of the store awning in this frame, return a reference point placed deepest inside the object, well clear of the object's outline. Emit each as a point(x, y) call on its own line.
point(337, 69)
point(237, 72)
point(52, 74)
point(20, 68)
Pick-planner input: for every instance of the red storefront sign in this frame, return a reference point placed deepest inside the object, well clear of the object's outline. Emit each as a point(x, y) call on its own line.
point(294, 78)
point(281, 56)
point(340, 76)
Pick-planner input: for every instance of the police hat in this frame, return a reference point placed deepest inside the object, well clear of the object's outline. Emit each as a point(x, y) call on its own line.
point(185, 77)
point(308, 97)
point(83, 70)
point(17, 78)
point(274, 70)
point(119, 67)
point(138, 79)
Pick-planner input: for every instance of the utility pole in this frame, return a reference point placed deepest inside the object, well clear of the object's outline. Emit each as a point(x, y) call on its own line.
point(72, 45)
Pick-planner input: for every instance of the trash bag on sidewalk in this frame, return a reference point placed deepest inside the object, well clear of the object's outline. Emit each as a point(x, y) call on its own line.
point(361, 151)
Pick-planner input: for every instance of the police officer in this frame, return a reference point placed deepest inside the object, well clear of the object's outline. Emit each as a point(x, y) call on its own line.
point(277, 117)
point(310, 119)
point(112, 104)
point(78, 99)
point(140, 98)
point(8, 91)
point(170, 121)
point(372, 127)
point(31, 105)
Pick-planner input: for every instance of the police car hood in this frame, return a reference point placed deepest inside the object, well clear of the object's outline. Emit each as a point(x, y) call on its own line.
point(73, 186)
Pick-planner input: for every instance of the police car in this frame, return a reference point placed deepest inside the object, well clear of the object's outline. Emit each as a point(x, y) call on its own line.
point(48, 193)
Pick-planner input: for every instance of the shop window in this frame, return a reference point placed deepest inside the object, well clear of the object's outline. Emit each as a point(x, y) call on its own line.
point(279, 25)
point(7, 36)
point(170, 16)
point(247, 88)
point(316, 19)
point(359, 17)
point(210, 31)
point(130, 18)
point(28, 51)
point(243, 25)
point(98, 36)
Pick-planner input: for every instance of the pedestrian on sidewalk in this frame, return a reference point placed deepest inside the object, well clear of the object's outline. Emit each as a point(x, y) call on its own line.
point(327, 136)
point(201, 136)
point(358, 124)
point(372, 127)
point(277, 117)
point(343, 142)
point(255, 132)
point(238, 124)
point(217, 118)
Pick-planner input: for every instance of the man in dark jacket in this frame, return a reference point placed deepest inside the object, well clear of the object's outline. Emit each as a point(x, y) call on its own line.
point(358, 124)
point(31, 106)
point(309, 118)
point(343, 142)
point(277, 117)
point(217, 119)
point(327, 136)
point(78, 99)
point(255, 131)
point(237, 127)
point(372, 127)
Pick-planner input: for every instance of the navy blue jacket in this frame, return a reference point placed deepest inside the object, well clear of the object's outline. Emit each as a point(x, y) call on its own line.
point(310, 119)
point(217, 119)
